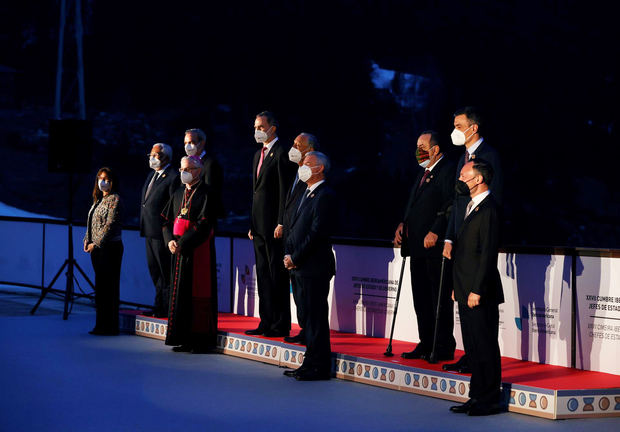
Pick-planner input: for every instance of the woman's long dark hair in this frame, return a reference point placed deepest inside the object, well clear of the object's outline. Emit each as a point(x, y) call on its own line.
point(97, 194)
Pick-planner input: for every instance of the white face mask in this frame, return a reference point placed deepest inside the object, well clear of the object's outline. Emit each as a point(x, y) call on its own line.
point(425, 163)
point(104, 185)
point(304, 172)
point(294, 155)
point(190, 149)
point(261, 136)
point(458, 137)
point(154, 163)
point(186, 177)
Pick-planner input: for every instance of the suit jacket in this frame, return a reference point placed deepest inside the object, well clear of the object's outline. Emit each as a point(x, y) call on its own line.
point(151, 207)
point(427, 209)
point(308, 239)
point(294, 194)
point(213, 175)
point(489, 154)
point(475, 255)
point(269, 198)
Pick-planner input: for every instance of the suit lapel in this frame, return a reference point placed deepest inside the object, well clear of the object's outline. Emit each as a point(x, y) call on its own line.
point(269, 156)
point(163, 176)
point(146, 186)
point(255, 167)
point(295, 192)
point(412, 194)
point(430, 179)
point(474, 212)
point(313, 195)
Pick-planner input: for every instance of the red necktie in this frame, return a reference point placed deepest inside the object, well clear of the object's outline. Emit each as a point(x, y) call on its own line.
point(262, 158)
point(426, 173)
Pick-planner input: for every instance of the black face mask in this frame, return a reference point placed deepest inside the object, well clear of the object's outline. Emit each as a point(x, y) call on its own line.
point(461, 188)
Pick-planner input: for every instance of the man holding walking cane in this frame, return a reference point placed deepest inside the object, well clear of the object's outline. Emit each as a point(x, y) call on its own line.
point(423, 225)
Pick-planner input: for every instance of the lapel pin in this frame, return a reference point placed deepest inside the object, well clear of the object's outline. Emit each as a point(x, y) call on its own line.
point(270, 154)
point(473, 156)
point(163, 176)
point(476, 209)
point(312, 196)
point(428, 180)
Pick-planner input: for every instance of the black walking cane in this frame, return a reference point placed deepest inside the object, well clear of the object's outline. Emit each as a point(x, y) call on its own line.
point(388, 351)
point(433, 356)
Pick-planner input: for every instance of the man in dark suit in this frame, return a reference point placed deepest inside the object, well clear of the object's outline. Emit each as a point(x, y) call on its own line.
point(303, 144)
point(212, 174)
point(467, 124)
point(272, 173)
point(157, 189)
point(423, 226)
point(478, 289)
point(310, 259)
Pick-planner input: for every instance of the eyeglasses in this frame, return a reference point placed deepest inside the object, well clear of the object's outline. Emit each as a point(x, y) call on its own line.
point(155, 155)
point(187, 169)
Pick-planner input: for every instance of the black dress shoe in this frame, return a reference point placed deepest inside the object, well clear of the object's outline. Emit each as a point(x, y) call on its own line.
point(484, 409)
point(275, 333)
point(463, 408)
point(182, 348)
point(459, 366)
point(418, 353)
point(312, 375)
point(256, 332)
point(299, 339)
point(293, 372)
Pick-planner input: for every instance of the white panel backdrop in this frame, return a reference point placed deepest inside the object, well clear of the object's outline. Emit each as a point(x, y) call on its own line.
point(535, 319)
point(598, 324)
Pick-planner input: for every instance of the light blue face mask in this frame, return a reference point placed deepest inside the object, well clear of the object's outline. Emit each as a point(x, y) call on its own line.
point(104, 185)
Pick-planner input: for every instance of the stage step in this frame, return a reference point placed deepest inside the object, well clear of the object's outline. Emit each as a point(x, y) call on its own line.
point(559, 393)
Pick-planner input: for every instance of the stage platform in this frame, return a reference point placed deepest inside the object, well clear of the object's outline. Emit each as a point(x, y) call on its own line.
point(551, 392)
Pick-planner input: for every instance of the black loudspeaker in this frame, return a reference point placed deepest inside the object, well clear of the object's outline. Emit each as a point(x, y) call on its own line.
point(70, 146)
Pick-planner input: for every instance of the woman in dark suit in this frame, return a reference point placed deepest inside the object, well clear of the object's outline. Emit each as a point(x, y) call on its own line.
point(103, 242)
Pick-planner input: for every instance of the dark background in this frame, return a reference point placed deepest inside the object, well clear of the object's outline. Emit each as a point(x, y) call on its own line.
point(543, 73)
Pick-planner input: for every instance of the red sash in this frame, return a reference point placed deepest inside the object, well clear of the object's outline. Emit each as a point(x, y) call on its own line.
point(181, 226)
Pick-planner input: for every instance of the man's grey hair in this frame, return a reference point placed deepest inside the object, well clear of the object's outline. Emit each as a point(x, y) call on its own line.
point(313, 141)
point(322, 159)
point(198, 132)
point(194, 161)
point(165, 149)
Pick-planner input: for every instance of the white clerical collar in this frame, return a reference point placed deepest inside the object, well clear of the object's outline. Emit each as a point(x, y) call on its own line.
point(268, 146)
point(430, 168)
point(478, 199)
point(474, 146)
point(314, 186)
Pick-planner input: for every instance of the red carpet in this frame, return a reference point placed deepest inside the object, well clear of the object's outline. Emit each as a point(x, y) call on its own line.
point(513, 371)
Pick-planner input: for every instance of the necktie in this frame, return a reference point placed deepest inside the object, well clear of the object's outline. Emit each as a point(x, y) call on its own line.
point(303, 198)
point(468, 209)
point(148, 189)
point(262, 158)
point(467, 157)
point(426, 173)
